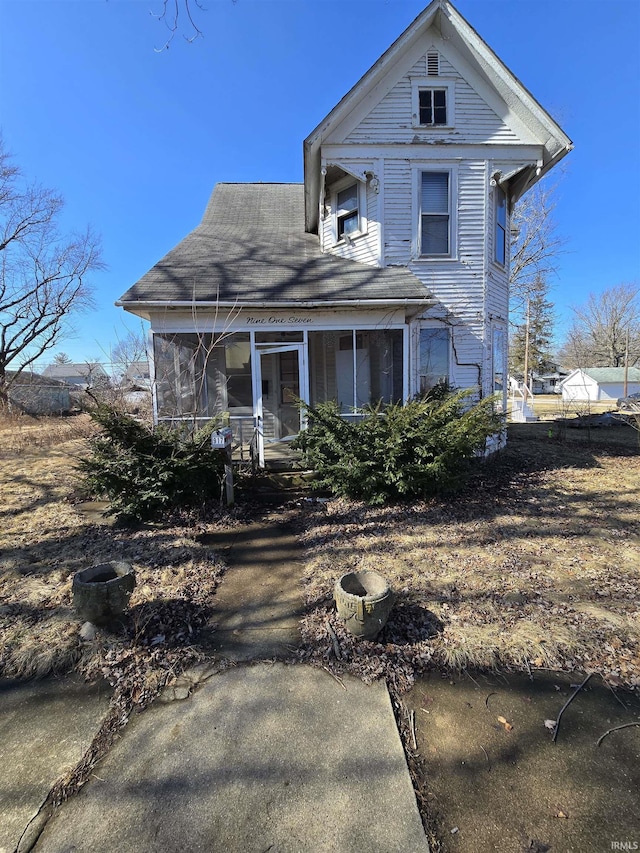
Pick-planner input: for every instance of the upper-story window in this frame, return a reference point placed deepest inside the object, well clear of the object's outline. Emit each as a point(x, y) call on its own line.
point(349, 219)
point(500, 234)
point(435, 213)
point(347, 211)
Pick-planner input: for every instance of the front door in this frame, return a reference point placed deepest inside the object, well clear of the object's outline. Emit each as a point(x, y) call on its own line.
point(281, 383)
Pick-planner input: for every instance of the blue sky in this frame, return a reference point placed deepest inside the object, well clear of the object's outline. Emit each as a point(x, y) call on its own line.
point(135, 139)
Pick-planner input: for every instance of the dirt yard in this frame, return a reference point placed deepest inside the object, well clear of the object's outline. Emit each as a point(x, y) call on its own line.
point(507, 596)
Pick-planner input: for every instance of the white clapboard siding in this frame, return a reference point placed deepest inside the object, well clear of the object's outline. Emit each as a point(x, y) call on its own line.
point(458, 285)
point(391, 120)
point(398, 206)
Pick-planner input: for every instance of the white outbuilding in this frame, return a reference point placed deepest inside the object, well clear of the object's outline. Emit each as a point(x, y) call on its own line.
point(593, 384)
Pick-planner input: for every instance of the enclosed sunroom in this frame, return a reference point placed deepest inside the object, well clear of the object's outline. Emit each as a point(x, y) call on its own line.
point(258, 378)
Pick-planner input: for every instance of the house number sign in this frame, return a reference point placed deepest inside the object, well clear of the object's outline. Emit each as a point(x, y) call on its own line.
point(277, 321)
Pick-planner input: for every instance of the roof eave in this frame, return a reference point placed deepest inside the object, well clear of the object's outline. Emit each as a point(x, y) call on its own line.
point(151, 304)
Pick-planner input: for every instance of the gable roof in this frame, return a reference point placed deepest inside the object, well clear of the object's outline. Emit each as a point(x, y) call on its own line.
point(70, 370)
point(251, 249)
point(460, 35)
point(604, 375)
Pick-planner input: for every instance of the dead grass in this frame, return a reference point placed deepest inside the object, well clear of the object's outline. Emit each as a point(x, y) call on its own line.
point(45, 537)
point(19, 432)
point(537, 564)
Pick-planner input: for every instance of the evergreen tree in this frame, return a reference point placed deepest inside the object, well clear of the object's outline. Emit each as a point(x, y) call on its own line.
point(538, 316)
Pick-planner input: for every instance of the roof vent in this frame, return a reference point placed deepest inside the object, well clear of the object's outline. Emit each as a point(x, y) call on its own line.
point(433, 64)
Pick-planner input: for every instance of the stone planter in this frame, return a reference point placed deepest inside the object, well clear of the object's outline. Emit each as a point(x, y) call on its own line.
point(101, 593)
point(364, 601)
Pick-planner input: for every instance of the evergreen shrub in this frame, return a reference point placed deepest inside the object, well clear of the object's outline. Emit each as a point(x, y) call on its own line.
point(398, 451)
point(145, 473)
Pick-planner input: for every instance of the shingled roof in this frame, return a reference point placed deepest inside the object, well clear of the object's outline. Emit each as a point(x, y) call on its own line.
point(251, 248)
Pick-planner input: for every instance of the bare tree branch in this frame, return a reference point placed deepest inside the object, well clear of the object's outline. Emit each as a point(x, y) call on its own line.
point(601, 328)
point(170, 17)
point(43, 274)
point(535, 246)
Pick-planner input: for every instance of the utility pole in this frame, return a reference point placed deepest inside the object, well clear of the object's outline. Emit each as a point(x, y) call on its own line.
point(526, 353)
point(625, 389)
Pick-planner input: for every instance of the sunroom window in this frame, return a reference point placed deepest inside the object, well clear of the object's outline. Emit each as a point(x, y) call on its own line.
point(356, 368)
point(435, 216)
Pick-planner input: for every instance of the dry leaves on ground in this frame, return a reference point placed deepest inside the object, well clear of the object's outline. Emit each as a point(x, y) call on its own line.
point(535, 564)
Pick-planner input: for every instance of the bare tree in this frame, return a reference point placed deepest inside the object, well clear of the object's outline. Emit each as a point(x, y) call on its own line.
point(43, 274)
point(130, 349)
point(535, 246)
point(603, 327)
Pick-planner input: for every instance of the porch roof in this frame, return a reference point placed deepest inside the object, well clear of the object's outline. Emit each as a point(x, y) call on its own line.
point(251, 248)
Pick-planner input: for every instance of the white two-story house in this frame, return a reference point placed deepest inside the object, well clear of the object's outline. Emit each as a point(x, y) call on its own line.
point(384, 273)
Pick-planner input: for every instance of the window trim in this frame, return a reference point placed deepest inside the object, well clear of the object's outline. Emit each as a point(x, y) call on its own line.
point(497, 225)
point(419, 84)
point(451, 170)
point(338, 187)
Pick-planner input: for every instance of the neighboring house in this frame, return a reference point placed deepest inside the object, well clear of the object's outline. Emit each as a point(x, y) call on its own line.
point(593, 384)
point(548, 383)
point(385, 272)
point(37, 395)
point(79, 376)
point(539, 383)
point(136, 386)
point(137, 377)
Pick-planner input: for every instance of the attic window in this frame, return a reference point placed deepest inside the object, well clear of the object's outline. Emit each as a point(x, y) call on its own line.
point(433, 106)
point(433, 64)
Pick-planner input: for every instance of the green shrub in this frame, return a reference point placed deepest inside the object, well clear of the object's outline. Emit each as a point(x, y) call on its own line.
point(400, 451)
point(145, 473)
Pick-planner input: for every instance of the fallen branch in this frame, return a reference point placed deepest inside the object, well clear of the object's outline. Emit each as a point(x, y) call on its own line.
point(412, 726)
point(333, 675)
point(468, 674)
point(486, 755)
point(566, 705)
point(334, 639)
point(486, 701)
point(615, 729)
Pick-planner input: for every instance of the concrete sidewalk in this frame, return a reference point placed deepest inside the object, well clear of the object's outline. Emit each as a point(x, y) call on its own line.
point(260, 758)
point(45, 728)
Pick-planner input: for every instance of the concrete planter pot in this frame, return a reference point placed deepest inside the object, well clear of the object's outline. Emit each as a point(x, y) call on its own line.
point(101, 594)
point(364, 601)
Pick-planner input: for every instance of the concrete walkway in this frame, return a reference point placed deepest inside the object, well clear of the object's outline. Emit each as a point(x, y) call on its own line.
point(259, 603)
point(263, 757)
point(45, 729)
